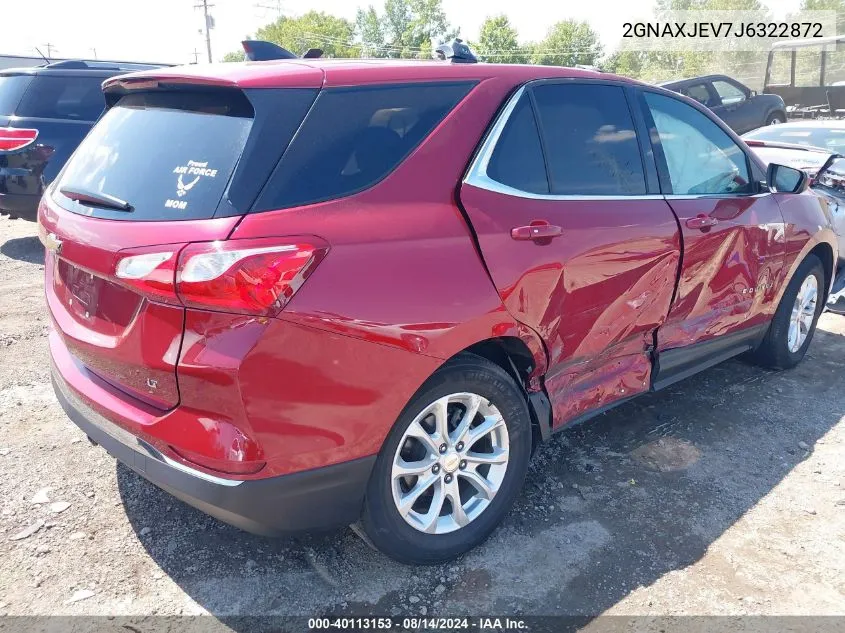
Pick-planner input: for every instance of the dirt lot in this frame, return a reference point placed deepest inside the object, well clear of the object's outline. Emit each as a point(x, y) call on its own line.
point(723, 495)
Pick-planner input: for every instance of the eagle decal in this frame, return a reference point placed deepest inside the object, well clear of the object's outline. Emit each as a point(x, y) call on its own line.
point(182, 188)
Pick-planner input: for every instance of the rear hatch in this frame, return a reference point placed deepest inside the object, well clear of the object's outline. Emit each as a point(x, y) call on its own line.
point(167, 165)
point(48, 113)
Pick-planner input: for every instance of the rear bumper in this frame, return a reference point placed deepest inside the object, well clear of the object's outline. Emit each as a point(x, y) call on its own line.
point(22, 205)
point(317, 499)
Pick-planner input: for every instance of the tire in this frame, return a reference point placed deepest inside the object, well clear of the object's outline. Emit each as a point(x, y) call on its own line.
point(451, 532)
point(778, 351)
point(775, 118)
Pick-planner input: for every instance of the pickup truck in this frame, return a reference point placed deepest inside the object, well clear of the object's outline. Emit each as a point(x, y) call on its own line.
point(739, 106)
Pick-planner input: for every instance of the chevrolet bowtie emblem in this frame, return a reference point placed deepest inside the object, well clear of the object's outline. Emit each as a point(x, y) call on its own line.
point(50, 241)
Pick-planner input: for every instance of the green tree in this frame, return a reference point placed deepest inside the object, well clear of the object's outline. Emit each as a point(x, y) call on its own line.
point(497, 42)
point(568, 43)
point(370, 33)
point(428, 23)
point(405, 29)
point(314, 29)
point(828, 5)
point(234, 56)
point(661, 65)
point(627, 63)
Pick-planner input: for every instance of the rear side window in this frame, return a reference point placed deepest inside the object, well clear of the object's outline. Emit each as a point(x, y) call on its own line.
point(64, 97)
point(699, 92)
point(590, 141)
point(11, 89)
point(517, 160)
point(169, 155)
point(354, 137)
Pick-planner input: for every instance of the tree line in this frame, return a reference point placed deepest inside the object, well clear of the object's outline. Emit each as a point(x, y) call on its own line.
point(407, 29)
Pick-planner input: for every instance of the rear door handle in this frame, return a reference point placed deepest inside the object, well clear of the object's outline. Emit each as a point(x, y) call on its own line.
point(536, 231)
point(701, 221)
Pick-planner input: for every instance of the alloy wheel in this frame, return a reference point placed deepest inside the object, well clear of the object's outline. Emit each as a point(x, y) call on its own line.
point(803, 313)
point(450, 463)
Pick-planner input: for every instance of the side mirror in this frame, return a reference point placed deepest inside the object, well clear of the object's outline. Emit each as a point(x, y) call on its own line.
point(783, 179)
point(752, 93)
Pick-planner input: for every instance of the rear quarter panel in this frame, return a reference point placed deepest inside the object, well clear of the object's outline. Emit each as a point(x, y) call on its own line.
point(402, 269)
point(401, 289)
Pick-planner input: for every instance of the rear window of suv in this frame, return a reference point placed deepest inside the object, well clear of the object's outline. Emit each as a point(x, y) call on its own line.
point(354, 137)
point(11, 89)
point(168, 154)
point(63, 97)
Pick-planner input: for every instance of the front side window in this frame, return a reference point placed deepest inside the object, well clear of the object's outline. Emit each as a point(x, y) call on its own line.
point(700, 157)
point(729, 93)
point(590, 142)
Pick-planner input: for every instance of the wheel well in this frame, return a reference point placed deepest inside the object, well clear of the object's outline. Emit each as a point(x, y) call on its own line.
point(825, 253)
point(512, 354)
point(509, 353)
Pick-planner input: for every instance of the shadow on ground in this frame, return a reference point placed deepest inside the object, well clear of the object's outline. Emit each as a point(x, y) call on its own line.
point(616, 503)
point(25, 249)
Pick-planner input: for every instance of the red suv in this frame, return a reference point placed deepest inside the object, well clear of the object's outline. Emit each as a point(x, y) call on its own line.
point(303, 294)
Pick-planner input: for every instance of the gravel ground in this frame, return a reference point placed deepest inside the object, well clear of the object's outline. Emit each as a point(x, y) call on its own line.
point(723, 495)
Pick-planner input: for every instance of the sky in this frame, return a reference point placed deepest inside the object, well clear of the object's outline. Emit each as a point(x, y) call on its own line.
point(169, 30)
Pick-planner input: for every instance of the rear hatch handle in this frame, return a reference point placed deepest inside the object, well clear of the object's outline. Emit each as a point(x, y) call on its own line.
point(96, 199)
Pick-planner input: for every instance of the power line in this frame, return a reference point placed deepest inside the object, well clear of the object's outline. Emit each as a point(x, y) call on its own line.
point(271, 5)
point(416, 49)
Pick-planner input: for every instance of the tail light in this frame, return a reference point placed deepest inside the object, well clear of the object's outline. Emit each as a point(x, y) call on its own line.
point(150, 273)
point(12, 139)
point(247, 276)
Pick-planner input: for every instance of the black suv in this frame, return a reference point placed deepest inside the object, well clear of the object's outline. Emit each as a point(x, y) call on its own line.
point(735, 103)
point(45, 112)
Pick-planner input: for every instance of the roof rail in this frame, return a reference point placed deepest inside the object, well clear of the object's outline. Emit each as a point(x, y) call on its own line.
point(76, 64)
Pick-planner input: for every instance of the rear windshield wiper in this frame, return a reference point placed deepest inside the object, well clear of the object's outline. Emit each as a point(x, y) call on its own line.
point(95, 199)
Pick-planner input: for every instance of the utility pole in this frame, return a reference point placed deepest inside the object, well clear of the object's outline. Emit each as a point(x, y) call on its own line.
point(196, 55)
point(49, 50)
point(209, 24)
point(94, 50)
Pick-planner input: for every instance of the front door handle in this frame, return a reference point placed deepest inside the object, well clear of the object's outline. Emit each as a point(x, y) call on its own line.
point(537, 231)
point(701, 221)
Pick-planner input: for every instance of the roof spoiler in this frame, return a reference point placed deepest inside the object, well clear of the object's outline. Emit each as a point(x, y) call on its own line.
point(262, 51)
